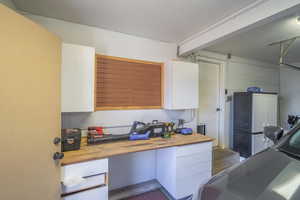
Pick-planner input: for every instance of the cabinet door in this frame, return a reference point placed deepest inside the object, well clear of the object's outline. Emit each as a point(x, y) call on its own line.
point(191, 184)
point(183, 81)
point(260, 143)
point(77, 78)
point(272, 103)
point(189, 166)
point(166, 176)
point(259, 108)
point(197, 158)
point(264, 111)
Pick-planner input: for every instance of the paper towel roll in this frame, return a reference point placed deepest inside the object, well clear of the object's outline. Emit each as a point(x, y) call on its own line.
point(73, 181)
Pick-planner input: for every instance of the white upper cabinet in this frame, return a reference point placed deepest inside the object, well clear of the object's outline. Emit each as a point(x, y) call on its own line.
point(181, 85)
point(77, 78)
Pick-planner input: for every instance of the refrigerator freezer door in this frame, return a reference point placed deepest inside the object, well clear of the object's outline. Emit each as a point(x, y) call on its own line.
point(264, 111)
point(272, 111)
point(260, 143)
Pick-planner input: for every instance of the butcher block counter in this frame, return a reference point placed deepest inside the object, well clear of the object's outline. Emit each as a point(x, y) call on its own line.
point(106, 150)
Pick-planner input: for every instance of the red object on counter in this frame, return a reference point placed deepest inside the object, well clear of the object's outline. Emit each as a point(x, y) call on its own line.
point(99, 129)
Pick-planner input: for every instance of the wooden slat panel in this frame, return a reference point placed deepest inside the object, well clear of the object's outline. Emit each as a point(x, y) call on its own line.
point(129, 78)
point(127, 84)
point(121, 90)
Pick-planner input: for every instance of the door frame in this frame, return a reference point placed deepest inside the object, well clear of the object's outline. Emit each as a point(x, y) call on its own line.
point(222, 141)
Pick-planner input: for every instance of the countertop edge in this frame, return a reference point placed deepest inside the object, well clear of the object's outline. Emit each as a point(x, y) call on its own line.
point(90, 158)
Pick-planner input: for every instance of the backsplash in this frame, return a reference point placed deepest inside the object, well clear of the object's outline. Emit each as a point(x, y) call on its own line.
point(123, 118)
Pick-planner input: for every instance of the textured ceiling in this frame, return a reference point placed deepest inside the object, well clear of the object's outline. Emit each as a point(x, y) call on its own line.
point(164, 20)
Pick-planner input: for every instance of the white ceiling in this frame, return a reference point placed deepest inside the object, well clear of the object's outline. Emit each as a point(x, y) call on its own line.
point(254, 43)
point(164, 20)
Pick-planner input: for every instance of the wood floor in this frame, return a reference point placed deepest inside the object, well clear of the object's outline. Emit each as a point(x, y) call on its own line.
point(224, 158)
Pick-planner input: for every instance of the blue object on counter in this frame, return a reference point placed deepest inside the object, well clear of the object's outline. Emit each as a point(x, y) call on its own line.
point(254, 89)
point(186, 131)
point(138, 136)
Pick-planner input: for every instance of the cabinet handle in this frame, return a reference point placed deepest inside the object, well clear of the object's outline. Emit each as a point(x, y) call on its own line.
point(58, 155)
point(57, 140)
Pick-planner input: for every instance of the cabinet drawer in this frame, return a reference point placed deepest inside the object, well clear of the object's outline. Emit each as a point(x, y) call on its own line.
point(194, 159)
point(200, 168)
point(193, 164)
point(90, 181)
point(190, 184)
point(194, 149)
point(100, 193)
point(84, 169)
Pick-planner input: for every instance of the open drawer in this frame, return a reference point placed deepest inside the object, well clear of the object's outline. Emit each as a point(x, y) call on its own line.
point(88, 182)
point(84, 169)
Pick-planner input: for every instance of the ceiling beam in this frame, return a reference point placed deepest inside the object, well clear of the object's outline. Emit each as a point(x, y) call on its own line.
point(262, 11)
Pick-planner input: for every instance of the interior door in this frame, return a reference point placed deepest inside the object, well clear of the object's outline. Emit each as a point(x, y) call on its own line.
point(30, 109)
point(209, 98)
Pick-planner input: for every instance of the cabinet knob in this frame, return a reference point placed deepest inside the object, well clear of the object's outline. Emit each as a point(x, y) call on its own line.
point(57, 140)
point(58, 156)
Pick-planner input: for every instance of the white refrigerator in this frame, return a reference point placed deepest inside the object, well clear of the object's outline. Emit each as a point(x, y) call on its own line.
point(252, 112)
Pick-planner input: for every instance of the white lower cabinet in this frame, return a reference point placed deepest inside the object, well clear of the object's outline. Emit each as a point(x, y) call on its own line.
point(182, 170)
point(85, 181)
point(93, 194)
point(88, 182)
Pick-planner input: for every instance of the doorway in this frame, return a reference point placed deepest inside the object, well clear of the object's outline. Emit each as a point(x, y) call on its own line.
point(209, 99)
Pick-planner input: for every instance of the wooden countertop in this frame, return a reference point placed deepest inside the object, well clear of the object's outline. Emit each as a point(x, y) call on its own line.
point(93, 152)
